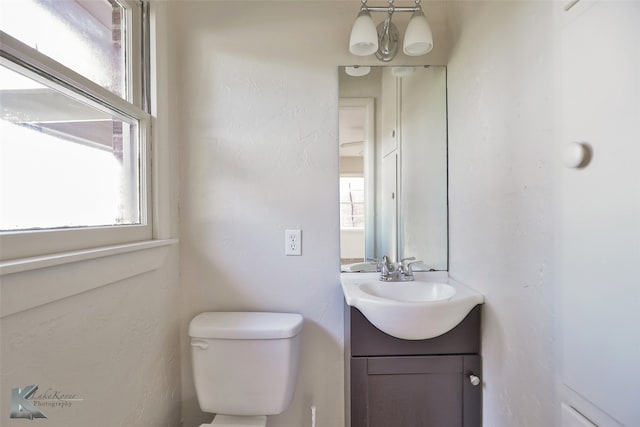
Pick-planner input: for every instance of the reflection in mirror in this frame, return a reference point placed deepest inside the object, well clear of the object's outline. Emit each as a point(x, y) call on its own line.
point(357, 179)
point(393, 167)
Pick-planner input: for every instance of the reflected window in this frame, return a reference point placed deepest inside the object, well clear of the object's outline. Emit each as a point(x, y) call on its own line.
point(352, 202)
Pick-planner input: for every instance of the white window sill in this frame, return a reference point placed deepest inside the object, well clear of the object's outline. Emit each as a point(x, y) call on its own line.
point(31, 282)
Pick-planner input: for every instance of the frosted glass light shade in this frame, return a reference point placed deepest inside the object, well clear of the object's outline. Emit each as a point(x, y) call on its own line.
point(402, 71)
point(364, 37)
point(357, 71)
point(418, 39)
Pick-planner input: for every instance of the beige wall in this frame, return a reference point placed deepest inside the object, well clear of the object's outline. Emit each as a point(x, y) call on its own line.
point(537, 238)
point(259, 154)
point(500, 78)
point(116, 346)
point(252, 116)
point(352, 165)
point(501, 143)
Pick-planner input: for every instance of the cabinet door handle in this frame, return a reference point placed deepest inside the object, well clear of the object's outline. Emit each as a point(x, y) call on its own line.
point(474, 379)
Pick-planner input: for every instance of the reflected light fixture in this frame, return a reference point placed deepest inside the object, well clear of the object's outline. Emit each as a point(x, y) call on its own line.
point(357, 70)
point(367, 39)
point(402, 71)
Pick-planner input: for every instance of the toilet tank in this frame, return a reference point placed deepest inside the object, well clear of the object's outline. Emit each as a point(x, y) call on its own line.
point(245, 363)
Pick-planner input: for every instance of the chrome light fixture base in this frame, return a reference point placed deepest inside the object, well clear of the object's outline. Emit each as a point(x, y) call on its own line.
point(387, 40)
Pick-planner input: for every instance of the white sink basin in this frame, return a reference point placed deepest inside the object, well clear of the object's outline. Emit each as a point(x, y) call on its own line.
point(430, 306)
point(409, 291)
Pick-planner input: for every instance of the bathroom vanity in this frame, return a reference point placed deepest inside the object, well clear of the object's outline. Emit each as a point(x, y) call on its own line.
point(412, 382)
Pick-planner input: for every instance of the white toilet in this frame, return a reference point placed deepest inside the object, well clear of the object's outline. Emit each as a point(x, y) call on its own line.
point(244, 365)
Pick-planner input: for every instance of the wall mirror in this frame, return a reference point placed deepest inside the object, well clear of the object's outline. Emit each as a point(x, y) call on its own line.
point(393, 165)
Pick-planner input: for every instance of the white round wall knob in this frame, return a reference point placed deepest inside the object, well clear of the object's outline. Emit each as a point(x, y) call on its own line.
point(474, 379)
point(574, 155)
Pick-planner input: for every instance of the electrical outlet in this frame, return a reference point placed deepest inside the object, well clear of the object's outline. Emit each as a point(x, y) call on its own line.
point(292, 242)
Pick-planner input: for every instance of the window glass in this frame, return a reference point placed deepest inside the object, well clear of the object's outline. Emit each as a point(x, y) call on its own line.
point(352, 202)
point(84, 35)
point(64, 162)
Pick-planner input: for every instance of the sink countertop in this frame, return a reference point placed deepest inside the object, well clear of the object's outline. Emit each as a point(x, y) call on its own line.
point(404, 318)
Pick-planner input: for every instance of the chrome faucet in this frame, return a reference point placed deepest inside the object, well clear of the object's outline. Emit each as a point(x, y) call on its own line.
point(397, 271)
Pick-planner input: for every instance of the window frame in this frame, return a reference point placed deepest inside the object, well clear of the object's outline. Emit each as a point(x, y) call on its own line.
point(353, 203)
point(20, 57)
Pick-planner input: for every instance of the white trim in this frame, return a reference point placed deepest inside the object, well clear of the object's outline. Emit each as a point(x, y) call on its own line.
point(31, 282)
point(37, 262)
point(69, 81)
point(164, 152)
point(30, 243)
point(133, 51)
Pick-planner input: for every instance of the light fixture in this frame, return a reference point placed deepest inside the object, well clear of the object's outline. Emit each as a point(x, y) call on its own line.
point(366, 39)
point(418, 39)
point(357, 70)
point(402, 71)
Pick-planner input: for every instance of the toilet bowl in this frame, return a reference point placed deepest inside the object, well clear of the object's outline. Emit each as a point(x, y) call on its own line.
point(245, 364)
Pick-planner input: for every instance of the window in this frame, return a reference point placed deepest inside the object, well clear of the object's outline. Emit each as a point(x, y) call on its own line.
point(71, 32)
point(63, 163)
point(74, 164)
point(352, 202)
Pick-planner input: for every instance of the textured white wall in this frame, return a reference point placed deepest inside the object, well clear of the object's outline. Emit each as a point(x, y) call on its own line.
point(352, 244)
point(117, 346)
point(259, 113)
point(500, 77)
point(423, 171)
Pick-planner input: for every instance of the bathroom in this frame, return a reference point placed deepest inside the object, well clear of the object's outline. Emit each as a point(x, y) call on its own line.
point(246, 133)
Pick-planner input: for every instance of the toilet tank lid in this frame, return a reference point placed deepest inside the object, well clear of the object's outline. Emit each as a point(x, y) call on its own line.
point(245, 325)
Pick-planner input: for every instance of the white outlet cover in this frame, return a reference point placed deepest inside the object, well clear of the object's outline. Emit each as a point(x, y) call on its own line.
point(293, 242)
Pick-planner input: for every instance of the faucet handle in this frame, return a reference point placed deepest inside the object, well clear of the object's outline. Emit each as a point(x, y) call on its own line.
point(409, 269)
point(404, 260)
point(404, 264)
point(387, 266)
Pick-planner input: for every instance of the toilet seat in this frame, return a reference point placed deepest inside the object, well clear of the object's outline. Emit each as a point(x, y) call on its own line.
point(236, 421)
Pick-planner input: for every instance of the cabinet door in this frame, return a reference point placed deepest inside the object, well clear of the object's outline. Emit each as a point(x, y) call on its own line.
point(388, 200)
point(415, 391)
point(599, 237)
point(389, 111)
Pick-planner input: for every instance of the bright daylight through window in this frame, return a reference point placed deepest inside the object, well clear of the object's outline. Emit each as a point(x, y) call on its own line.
point(352, 202)
point(73, 135)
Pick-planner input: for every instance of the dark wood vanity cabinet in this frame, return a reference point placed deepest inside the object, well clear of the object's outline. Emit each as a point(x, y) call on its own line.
point(403, 383)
